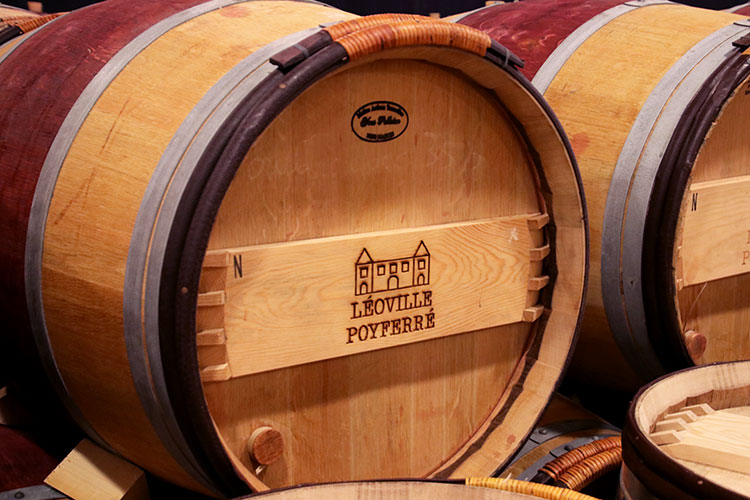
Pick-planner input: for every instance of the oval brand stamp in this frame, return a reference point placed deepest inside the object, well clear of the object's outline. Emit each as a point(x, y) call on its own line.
point(380, 121)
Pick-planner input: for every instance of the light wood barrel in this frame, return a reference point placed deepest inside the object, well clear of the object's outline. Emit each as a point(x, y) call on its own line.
point(563, 427)
point(653, 96)
point(685, 436)
point(257, 252)
point(392, 490)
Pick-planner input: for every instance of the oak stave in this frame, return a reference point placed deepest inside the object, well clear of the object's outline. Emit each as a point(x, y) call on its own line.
point(649, 317)
point(84, 174)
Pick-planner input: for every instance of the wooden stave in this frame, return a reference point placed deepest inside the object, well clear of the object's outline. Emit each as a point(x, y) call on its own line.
point(652, 473)
point(664, 351)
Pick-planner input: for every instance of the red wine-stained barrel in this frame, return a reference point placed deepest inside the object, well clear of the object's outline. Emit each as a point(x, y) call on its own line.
point(254, 252)
point(23, 463)
point(742, 9)
point(704, 455)
point(653, 96)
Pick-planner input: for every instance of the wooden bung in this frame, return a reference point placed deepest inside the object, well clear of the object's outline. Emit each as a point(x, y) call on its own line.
point(265, 445)
point(253, 252)
point(686, 435)
point(665, 163)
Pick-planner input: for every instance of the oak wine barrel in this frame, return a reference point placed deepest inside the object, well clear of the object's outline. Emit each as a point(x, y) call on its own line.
point(654, 97)
point(256, 252)
point(685, 436)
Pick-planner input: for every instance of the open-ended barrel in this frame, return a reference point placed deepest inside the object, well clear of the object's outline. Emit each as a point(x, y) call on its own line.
point(685, 436)
point(257, 251)
point(654, 96)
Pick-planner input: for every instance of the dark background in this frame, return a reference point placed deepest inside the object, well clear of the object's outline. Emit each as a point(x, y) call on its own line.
point(362, 7)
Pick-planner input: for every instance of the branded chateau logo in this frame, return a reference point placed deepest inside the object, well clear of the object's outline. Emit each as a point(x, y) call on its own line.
point(379, 121)
point(378, 276)
point(373, 276)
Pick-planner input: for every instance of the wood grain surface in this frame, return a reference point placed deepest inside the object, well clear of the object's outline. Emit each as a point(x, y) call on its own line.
point(371, 291)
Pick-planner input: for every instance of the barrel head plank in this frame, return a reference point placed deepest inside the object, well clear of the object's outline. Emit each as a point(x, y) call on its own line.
point(304, 301)
point(716, 232)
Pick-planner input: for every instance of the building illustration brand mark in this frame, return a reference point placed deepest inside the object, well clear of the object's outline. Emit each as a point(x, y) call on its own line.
point(380, 121)
point(374, 276)
point(377, 315)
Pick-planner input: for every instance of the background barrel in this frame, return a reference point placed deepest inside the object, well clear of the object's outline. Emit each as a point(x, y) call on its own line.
point(288, 254)
point(653, 96)
point(742, 9)
point(685, 435)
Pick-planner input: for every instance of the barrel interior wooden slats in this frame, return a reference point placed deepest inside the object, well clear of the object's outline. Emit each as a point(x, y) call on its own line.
point(724, 389)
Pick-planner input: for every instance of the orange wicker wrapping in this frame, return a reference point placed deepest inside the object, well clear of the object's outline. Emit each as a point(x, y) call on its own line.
point(564, 462)
point(375, 38)
point(584, 473)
